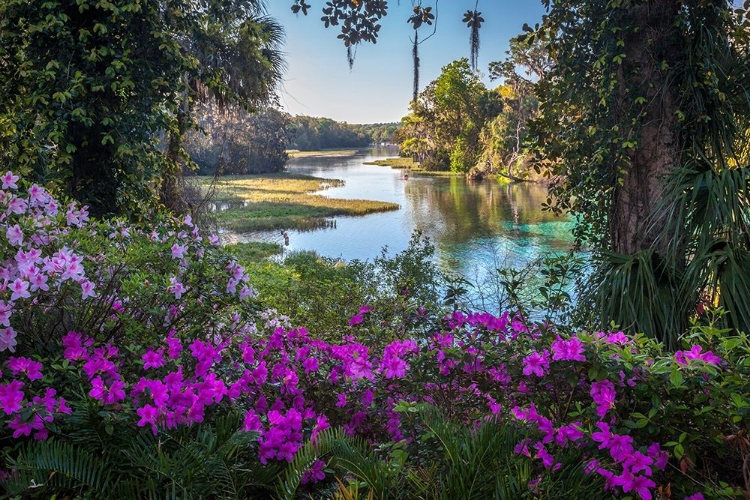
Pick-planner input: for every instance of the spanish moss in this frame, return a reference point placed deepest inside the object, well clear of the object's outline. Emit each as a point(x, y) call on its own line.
point(474, 41)
point(474, 20)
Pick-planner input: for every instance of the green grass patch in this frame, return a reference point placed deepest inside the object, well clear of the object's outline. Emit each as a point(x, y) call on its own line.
point(283, 201)
point(397, 162)
point(254, 250)
point(296, 153)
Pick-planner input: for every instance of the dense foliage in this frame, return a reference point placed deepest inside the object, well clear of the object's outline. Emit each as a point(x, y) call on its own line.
point(137, 363)
point(233, 141)
point(644, 125)
point(87, 88)
point(444, 128)
point(310, 134)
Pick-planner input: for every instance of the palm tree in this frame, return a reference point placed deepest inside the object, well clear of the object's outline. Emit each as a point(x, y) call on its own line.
point(234, 57)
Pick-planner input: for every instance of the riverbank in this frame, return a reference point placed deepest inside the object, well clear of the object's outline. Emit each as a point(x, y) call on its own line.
point(281, 201)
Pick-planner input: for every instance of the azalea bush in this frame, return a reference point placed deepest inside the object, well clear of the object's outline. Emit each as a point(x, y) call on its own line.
point(139, 362)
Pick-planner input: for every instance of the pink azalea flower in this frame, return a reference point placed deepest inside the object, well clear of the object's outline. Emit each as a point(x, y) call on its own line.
point(14, 235)
point(9, 180)
point(153, 359)
point(20, 289)
point(536, 364)
point(87, 289)
point(178, 251)
point(5, 312)
point(17, 206)
point(176, 288)
point(7, 339)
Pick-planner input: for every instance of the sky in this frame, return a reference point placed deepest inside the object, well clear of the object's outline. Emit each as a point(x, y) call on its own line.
point(378, 89)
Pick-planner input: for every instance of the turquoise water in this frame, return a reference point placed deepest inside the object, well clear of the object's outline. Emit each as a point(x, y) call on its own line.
point(476, 227)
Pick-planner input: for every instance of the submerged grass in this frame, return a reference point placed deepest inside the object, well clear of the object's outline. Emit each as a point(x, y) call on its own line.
point(283, 201)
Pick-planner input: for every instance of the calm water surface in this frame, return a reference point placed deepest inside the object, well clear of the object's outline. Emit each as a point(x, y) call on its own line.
point(476, 226)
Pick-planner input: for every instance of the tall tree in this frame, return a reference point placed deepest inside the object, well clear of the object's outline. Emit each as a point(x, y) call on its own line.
point(88, 87)
point(644, 93)
point(448, 117)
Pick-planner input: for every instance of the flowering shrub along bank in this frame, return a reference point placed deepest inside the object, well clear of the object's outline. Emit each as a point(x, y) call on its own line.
point(123, 334)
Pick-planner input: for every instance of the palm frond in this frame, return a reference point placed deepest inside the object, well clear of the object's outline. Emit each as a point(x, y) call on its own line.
point(57, 466)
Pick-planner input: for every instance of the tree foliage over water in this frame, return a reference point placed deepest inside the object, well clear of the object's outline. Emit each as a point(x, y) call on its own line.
point(443, 130)
point(645, 122)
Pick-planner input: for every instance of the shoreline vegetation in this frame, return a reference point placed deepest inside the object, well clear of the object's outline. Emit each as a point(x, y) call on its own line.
point(281, 201)
point(402, 163)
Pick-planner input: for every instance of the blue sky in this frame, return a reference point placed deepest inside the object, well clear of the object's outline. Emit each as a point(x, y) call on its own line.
point(318, 81)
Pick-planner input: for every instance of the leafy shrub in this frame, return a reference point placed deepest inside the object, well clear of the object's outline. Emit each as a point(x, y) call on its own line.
point(148, 351)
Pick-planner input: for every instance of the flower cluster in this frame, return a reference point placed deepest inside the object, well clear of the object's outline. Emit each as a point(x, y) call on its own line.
point(163, 333)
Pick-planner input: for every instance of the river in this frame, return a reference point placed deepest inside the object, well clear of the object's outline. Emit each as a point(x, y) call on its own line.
point(476, 227)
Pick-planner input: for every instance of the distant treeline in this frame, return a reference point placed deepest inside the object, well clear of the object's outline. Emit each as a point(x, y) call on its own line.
point(310, 133)
point(233, 141)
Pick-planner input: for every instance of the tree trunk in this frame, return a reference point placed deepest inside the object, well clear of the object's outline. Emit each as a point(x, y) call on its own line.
point(634, 223)
point(170, 192)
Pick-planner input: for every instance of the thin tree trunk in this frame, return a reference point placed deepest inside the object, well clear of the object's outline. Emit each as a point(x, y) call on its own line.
point(170, 193)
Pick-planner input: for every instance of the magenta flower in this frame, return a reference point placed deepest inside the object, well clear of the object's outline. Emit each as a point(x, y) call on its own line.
point(536, 364)
point(393, 367)
point(604, 394)
point(684, 357)
point(252, 422)
point(314, 473)
point(568, 350)
point(32, 369)
point(695, 496)
point(153, 359)
point(11, 397)
point(148, 415)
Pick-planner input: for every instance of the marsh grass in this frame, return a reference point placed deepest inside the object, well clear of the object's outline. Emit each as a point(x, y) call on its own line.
point(254, 251)
point(283, 201)
point(295, 153)
point(396, 162)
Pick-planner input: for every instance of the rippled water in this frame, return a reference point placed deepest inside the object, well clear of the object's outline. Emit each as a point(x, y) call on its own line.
point(475, 226)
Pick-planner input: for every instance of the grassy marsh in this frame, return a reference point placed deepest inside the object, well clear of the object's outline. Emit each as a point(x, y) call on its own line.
point(296, 153)
point(282, 201)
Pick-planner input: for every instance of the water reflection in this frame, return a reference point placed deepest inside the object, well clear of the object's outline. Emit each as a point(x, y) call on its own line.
point(475, 226)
